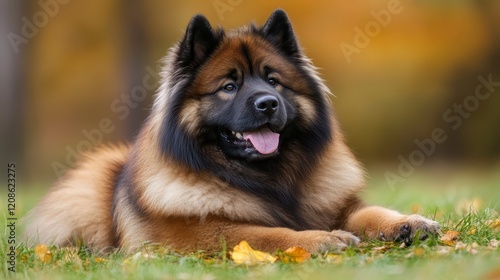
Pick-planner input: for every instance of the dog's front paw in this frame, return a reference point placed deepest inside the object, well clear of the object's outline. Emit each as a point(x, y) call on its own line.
point(409, 228)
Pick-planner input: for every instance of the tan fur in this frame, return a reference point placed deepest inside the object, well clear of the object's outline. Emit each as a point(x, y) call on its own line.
point(79, 205)
point(172, 205)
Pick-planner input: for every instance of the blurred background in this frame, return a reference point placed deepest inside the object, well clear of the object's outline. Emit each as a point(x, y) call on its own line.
point(75, 73)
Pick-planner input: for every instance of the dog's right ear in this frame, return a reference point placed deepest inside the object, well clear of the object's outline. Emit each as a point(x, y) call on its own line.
point(279, 31)
point(199, 41)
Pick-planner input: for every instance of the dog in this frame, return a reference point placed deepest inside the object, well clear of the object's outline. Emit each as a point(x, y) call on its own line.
point(242, 143)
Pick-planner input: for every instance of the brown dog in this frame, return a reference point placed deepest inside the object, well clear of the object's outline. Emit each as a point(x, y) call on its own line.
point(241, 144)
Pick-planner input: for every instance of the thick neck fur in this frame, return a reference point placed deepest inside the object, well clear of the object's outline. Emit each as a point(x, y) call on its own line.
point(257, 180)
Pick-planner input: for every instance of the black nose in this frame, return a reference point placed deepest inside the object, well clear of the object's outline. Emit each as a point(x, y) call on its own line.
point(267, 104)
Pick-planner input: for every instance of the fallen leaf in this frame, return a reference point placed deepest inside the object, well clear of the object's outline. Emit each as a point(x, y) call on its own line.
point(101, 260)
point(472, 231)
point(244, 254)
point(415, 252)
point(43, 253)
point(415, 208)
point(449, 237)
point(24, 258)
point(380, 249)
point(418, 251)
point(295, 255)
point(493, 224)
point(332, 258)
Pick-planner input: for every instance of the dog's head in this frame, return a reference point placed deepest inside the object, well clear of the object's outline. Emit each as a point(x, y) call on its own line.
point(246, 96)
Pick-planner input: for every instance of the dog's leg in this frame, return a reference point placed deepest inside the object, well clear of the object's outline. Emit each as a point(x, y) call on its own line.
point(375, 222)
point(188, 234)
point(271, 239)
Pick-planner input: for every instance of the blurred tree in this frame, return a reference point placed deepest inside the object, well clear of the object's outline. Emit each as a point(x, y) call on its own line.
point(11, 97)
point(478, 135)
point(136, 52)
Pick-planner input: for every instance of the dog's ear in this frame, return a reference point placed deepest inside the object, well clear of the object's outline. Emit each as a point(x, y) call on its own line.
point(199, 41)
point(278, 30)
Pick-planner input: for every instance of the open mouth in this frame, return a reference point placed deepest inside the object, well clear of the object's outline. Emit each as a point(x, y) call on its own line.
point(262, 141)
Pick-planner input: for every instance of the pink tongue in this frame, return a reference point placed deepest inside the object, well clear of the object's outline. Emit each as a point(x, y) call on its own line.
point(264, 140)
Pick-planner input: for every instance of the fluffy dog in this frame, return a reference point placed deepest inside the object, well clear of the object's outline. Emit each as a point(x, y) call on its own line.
point(242, 143)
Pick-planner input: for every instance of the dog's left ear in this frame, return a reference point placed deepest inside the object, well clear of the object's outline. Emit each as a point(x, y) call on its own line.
point(278, 30)
point(199, 41)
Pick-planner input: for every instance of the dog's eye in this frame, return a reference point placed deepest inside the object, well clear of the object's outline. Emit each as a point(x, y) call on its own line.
point(229, 88)
point(272, 81)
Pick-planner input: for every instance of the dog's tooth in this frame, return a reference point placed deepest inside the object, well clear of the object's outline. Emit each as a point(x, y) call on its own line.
point(233, 132)
point(239, 135)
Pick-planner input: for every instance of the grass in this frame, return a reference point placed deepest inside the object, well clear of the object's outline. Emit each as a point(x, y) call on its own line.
point(465, 203)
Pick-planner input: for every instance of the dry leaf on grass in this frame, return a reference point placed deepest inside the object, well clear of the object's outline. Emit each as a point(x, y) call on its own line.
point(43, 253)
point(101, 260)
point(381, 249)
point(333, 258)
point(244, 254)
point(493, 224)
point(472, 230)
point(418, 251)
point(295, 255)
point(415, 252)
point(449, 238)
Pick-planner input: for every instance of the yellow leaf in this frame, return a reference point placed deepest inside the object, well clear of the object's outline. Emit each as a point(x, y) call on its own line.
point(418, 251)
point(24, 258)
point(101, 260)
point(295, 255)
point(472, 231)
point(43, 253)
point(244, 254)
point(332, 258)
point(449, 237)
point(493, 224)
